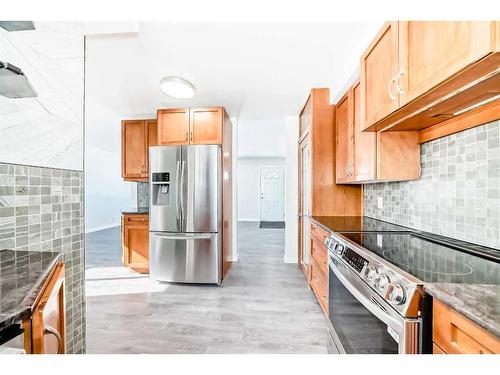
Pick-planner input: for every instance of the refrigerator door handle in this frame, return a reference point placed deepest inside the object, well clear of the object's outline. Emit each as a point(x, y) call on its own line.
point(178, 198)
point(183, 170)
point(184, 236)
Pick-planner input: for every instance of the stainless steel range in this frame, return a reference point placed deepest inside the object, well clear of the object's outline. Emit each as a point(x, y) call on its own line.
point(376, 298)
point(373, 306)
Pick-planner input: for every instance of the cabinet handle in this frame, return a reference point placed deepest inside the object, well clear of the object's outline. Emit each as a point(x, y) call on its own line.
point(187, 136)
point(191, 136)
point(48, 330)
point(393, 80)
point(398, 87)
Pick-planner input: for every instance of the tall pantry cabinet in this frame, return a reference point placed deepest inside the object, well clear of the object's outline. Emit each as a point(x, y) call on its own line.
point(319, 195)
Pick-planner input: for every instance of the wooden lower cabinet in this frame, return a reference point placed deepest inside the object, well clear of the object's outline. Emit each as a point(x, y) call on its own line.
point(452, 333)
point(44, 332)
point(318, 267)
point(135, 242)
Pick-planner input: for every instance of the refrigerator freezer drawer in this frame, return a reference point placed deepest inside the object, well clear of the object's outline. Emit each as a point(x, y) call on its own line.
point(185, 257)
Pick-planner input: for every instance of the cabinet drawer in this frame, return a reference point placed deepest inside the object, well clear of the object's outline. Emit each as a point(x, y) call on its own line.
point(319, 232)
point(319, 284)
point(319, 253)
point(136, 219)
point(455, 334)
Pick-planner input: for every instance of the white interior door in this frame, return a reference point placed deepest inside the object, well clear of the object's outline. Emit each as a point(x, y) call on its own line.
point(272, 191)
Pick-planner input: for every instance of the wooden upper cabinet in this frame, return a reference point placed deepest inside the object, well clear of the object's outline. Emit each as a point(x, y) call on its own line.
point(430, 52)
point(152, 132)
point(199, 126)
point(134, 150)
point(416, 74)
point(344, 134)
point(206, 125)
point(363, 157)
point(378, 71)
point(306, 118)
point(48, 318)
point(173, 126)
point(365, 143)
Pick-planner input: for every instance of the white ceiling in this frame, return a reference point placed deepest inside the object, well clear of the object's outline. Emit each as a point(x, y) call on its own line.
point(257, 71)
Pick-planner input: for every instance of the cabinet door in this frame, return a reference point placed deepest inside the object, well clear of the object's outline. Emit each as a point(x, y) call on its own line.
point(306, 118)
point(135, 252)
point(378, 71)
point(173, 126)
point(319, 284)
point(205, 126)
point(344, 140)
point(152, 132)
point(365, 143)
point(455, 334)
point(134, 149)
point(48, 319)
point(431, 52)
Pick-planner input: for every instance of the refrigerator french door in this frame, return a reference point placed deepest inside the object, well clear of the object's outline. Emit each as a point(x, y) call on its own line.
point(185, 213)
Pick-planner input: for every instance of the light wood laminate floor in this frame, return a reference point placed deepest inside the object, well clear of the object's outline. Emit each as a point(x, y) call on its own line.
point(263, 306)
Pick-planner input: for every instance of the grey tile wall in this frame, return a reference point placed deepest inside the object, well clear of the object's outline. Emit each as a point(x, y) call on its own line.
point(142, 195)
point(41, 209)
point(458, 194)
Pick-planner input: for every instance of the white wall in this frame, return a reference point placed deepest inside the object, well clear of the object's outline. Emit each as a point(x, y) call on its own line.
point(46, 130)
point(106, 195)
point(261, 143)
point(248, 182)
point(291, 188)
point(264, 138)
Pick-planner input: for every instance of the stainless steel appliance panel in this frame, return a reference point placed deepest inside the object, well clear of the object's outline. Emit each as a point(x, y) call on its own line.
point(362, 322)
point(202, 181)
point(188, 258)
point(165, 206)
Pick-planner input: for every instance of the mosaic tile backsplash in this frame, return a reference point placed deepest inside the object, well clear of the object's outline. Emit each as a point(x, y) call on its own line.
point(142, 195)
point(41, 209)
point(458, 194)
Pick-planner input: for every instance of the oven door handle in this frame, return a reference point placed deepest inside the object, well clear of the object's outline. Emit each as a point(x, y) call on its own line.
point(373, 307)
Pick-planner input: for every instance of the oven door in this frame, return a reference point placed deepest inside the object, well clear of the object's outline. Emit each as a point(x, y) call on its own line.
point(361, 321)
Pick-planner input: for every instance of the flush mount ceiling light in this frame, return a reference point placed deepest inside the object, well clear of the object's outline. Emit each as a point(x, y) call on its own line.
point(177, 87)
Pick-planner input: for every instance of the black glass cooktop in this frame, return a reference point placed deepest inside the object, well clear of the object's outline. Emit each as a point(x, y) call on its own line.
point(429, 261)
point(358, 224)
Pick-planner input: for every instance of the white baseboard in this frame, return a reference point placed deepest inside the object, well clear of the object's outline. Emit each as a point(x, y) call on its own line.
point(290, 259)
point(102, 227)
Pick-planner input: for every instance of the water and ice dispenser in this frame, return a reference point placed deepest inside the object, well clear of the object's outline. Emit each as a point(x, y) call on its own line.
point(161, 188)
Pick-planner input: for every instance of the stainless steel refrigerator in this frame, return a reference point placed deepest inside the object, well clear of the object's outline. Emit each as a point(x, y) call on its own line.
point(185, 213)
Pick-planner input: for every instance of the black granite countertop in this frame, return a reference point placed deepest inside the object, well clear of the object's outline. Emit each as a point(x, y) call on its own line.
point(138, 211)
point(478, 302)
point(22, 275)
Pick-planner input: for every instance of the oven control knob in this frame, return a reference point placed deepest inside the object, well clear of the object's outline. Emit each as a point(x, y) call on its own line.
point(381, 281)
point(397, 294)
point(339, 249)
point(370, 273)
point(328, 242)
